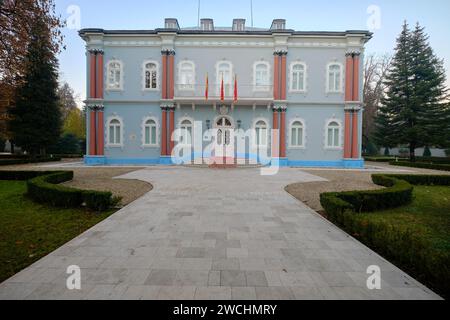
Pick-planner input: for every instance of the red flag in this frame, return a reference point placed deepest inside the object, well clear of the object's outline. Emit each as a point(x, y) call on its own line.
point(207, 88)
point(222, 91)
point(235, 89)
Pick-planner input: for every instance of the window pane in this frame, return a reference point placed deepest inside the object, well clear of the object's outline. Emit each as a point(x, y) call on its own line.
point(189, 136)
point(117, 134)
point(295, 81)
point(294, 137)
point(153, 140)
point(330, 137)
point(336, 137)
point(300, 137)
point(111, 134)
point(147, 135)
point(263, 137)
point(331, 82)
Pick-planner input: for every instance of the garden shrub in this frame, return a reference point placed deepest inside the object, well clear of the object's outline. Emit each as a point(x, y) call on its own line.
point(25, 160)
point(42, 187)
point(402, 245)
point(423, 165)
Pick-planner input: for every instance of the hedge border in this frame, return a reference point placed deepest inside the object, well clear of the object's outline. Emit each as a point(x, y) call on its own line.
point(42, 187)
point(422, 165)
point(402, 246)
point(7, 162)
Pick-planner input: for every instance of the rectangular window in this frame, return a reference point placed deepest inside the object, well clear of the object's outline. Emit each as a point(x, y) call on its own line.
point(117, 135)
point(147, 135)
point(111, 135)
point(153, 135)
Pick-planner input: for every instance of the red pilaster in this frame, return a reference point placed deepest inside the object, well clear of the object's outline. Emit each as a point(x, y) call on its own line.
point(100, 133)
point(164, 132)
point(99, 76)
point(355, 148)
point(171, 71)
point(92, 75)
point(276, 76)
point(164, 75)
point(92, 133)
point(347, 136)
point(283, 134)
point(283, 77)
point(355, 96)
point(349, 78)
point(275, 135)
point(171, 130)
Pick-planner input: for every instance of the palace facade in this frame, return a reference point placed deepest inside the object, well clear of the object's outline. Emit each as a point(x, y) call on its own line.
point(299, 93)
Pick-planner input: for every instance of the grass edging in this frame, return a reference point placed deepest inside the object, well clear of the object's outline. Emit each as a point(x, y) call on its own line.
point(402, 246)
point(42, 187)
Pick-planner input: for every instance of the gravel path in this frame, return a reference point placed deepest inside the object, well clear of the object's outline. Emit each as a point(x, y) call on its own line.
point(345, 180)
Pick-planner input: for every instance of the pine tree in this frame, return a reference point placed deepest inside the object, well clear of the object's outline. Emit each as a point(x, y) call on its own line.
point(390, 123)
point(413, 111)
point(36, 123)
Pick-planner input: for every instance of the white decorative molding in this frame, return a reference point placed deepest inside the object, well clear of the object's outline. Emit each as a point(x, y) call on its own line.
point(156, 43)
point(268, 136)
point(327, 77)
point(219, 79)
point(291, 78)
point(106, 77)
point(181, 86)
point(264, 88)
point(143, 125)
point(158, 74)
point(114, 116)
point(341, 134)
point(304, 134)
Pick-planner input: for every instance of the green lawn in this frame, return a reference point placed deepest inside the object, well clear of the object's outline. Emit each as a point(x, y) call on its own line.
point(428, 216)
point(29, 231)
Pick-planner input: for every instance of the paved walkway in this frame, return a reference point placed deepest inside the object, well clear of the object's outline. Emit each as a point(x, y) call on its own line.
point(214, 234)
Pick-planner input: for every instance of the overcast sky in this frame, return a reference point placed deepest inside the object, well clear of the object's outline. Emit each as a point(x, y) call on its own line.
point(383, 17)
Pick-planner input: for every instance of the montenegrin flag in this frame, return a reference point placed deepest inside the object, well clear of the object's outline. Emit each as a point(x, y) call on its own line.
point(222, 91)
point(207, 88)
point(235, 89)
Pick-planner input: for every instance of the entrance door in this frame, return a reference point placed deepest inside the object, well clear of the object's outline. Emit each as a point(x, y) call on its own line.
point(224, 146)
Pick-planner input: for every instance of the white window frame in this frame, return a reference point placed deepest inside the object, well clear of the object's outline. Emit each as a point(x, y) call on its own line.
point(219, 78)
point(108, 124)
point(255, 140)
point(266, 87)
point(291, 124)
point(184, 86)
point(340, 135)
point(108, 70)
point(180, 127)
point(144, 125)
point(305, 77)
point(341, 77)
point(144, 70)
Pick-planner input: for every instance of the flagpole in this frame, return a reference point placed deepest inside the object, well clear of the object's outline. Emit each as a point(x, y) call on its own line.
point(198, 14)
point(251, 10)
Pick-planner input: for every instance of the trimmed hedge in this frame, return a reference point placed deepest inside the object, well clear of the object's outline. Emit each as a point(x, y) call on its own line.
point(397, 193)
point(379, 159)
point(7, 162)
point(43, 187)
point(403, 246)
point(423, 165)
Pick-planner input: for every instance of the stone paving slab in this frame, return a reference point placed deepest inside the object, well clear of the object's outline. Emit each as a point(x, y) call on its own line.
point(214, 234)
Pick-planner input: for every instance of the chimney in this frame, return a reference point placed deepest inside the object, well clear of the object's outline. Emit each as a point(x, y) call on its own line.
point(278, 24)
point(238, 24)
point(171, 23)
point(207, 24)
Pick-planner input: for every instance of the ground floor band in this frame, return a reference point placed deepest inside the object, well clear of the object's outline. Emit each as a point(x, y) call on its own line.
point(293, 135)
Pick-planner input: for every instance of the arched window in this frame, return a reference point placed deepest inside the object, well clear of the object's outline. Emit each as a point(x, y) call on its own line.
point(298, 77)
point(333, 134)
point(114, 80)
point(115, 132)
point(334, 75)
point(261, 133)
point(261, 76)
point(224, 71)
point(186, 132)
point(186, 74)
point(150, 131)
point(150, 75)
point(297, 134)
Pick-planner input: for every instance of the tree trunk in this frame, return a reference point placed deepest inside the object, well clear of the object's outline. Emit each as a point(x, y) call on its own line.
point(412, 152)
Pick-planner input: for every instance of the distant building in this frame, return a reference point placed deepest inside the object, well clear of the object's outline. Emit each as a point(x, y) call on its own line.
point(144, 84)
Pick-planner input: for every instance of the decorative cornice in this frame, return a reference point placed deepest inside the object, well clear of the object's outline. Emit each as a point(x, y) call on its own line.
point(168, 107)
point(96, 51)
point(353, 53)
point(280, 53)
point(168, 52)
point(96, 107)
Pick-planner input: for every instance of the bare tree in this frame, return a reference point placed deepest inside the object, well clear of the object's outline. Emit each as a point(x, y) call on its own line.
point(375, 70)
